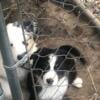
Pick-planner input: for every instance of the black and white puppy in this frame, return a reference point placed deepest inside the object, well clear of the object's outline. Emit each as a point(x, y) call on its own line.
point(53, 70)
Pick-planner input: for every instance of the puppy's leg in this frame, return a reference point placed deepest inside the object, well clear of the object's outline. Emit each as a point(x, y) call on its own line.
point(78, 82)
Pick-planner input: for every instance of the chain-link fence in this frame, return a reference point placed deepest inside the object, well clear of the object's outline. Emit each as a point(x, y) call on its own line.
point(57, 23)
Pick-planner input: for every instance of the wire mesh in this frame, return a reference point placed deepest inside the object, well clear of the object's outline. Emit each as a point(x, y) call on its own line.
point(64, 22)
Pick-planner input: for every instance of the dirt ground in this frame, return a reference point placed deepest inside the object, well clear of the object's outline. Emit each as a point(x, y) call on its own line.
point(57, 27)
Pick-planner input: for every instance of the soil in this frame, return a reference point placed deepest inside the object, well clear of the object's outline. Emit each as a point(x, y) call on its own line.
point(57, 27)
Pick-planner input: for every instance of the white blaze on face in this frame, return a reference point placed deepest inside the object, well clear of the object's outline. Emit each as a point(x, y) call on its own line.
point(52, 61)
point(51, 74)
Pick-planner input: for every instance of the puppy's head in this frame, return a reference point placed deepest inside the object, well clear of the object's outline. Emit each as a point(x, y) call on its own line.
point(48, 67)
point(18, 45)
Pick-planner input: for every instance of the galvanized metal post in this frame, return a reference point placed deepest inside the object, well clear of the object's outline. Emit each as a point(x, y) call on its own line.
point(9, 61)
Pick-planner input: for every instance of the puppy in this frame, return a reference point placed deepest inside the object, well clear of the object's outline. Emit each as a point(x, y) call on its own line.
point(53, 71)
point(16, 38)
point(18, 47)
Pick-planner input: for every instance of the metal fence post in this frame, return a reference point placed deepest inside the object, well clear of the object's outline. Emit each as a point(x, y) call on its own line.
point(9, 61)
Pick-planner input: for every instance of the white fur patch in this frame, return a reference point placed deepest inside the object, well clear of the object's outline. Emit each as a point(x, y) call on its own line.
point(4, 82)
point(33, 49)
point(52, 61)
point(51, 74)
point(55, 92)
point(78, 82)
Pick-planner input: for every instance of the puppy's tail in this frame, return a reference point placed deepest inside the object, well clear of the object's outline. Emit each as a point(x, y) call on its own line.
point(75, 53)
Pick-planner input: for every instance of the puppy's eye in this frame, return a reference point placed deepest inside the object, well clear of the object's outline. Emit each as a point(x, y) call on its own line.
point(25, 43)
point(11, 45)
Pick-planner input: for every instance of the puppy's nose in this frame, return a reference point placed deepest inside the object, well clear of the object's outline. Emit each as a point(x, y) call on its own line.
point(50, 81)
point(19, 57)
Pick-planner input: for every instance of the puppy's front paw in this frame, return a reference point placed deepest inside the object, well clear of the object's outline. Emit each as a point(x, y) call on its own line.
point(78, 82)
